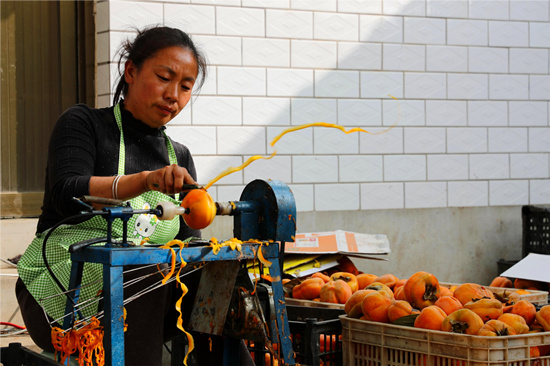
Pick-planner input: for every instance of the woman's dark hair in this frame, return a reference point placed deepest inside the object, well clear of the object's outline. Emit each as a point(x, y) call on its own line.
point(147, 43)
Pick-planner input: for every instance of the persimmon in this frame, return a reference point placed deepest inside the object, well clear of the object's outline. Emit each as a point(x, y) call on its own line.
point(346, 265)
point(462, 321)
point(353, 305)
point(530, 285)
point(501, 282)
point(375, 306)
point(399, 309)
point(431, 317)
point(543, 317)
point(399, 283)
point(422, 290)
point(399, 294)
point(380, 287)
point(347, 277)
point(201, 209)
point(496, 328)
point(525, 309)
point(449, 304)
point(467, 292)
point(445, 291)
point(515, 321)
point(322, 276)
point(309, 289)
point(487, 309)
point(336, 292)
point(387, 279)
point(365, 279)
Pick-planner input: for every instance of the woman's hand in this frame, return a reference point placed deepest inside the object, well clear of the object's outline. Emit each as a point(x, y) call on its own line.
point(168, 180)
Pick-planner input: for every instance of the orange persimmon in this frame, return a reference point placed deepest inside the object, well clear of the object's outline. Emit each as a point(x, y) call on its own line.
point(336, 292)
point(365, 279)
point(201, 209)
point(375, 306)
point(422, 290)
point(487, 309)
point(449, 304)
point(470, 291)
point(431, 317)
point(399, 309)
point(462, 321)
point(348, 277)
point(496, 328)
point(525, 309)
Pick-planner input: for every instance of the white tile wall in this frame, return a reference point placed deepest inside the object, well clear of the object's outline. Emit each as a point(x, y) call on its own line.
point(470, 125)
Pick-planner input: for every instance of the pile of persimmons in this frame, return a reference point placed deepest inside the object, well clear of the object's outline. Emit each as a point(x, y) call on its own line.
point(420, 301)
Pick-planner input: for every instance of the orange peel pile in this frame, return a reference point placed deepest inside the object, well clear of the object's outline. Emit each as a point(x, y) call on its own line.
point(86, 340)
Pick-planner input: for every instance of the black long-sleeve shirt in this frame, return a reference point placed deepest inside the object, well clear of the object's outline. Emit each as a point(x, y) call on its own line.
point(85, 142)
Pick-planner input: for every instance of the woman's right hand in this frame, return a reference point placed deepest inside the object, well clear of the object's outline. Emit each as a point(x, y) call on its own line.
point(168, 180)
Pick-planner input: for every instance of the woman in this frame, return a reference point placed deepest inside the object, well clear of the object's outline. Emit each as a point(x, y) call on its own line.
point(120, 152)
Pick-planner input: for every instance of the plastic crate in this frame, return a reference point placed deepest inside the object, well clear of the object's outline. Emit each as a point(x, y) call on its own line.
point(316, 338)
point(536, 230)
point(503, 265)
point(534, 296)
point(379, 344)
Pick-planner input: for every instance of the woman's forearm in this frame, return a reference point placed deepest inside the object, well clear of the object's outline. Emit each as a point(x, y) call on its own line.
point(127, 187)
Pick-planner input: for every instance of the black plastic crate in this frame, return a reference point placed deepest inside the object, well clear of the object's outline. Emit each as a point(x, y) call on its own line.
point(536, 230)
point(503, 265)
point(316, 338)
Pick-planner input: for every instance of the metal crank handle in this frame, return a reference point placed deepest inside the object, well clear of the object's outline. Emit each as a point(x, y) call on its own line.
point(169, 210)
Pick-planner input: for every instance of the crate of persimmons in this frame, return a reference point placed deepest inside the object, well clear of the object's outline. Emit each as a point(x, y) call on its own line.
point(418, 321)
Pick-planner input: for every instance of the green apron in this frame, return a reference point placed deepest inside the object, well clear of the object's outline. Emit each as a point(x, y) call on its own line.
point(34, 274)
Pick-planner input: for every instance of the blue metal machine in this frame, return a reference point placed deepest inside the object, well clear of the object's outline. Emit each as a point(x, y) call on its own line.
point(266, 211)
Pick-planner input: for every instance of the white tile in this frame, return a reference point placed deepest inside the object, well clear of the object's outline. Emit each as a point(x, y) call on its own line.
point(318, 5)
point(404, 167)
point(266, 111)
point(447, 9)
point(303, 196)
point(509, 193)
point(426, 85)
point(295, 142)
point(381, 84)
point(539, 87)
point(404, 7)
point(468, 86)
point(538, 139)
point(289, 83)
point(314, 169)
point(183, 118)
point(229, 193)
point(403, 57)
point(468, 194)
point(283, 4)
point(425, 195)
point(278, 167)
point(360, 6)
point(424, 30)
point(447, 58)
point(217, 111)
point(375, 28)
point(127, 16)
point(467, 32)
point(488, 59)
point(508, 34)
point(425, 140)
point(487, 113)
point(266, 52)
point(241, 81)
point(447, 167)
point(103, 47)
point(376, 196)
point(289, 24)
point(528, 61)
point(192, 19)
point(384, 142)
point(220, 50)
point(534, 10)
point(216, 2)
point(507, 139)
point(446, 113)
point(313, 110)
point(241, 140)
point(529, 166)
point(403, 113)
point(104, 79)
point(102, 16)
point(236, 21)
point(209, 167)
point(337, 197)
point(333, 141)
point(539, 34)
point(467, 140)
point(539, 192)
point(359, 112)
point(336, 84)
point(313, 54)
point(489, 9)
point(360, 168)
point(489, 166)
point(508, 87)
point(528, 114)
point(362, 56)
point(199, 140)
point(336, 26)
point(210, 85)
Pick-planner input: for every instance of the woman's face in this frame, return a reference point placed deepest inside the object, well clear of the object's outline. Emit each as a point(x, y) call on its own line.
point(161, 87)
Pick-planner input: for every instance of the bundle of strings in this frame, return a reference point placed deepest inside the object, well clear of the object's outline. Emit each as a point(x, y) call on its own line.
point(84, 338)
